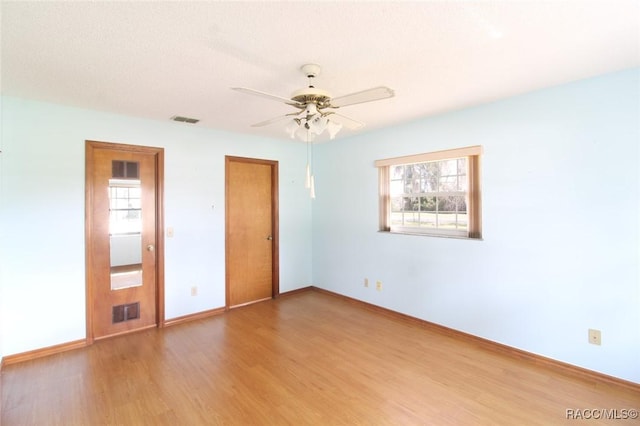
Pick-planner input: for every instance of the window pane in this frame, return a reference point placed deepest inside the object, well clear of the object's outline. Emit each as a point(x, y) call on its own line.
point(412, 219)
point(396, 219)
point(431, 176)
point(406, 204)
point(122, 203)
point(463, 221)
point(135, 203)
point(422, 169)
point(396, 204)
point(462, 166)
point(408, 171)
point(412, 179)
point(462, 174)
point(397, 172)
point(462, 205)
point(395, 188)
point(448, 204)
point(452, 214)
point(448, 167)
point(448, 184)
point(447, 220)
point(463, 183)
point(406, 186)
point(428, 220)
point(415, 204)
point(428, 204)
point(135, 192)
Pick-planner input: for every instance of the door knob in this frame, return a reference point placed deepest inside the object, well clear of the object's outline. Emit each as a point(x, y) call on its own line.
point(269, 238)
point(150, 247)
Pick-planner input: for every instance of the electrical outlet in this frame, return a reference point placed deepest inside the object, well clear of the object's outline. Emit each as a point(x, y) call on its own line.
point(194, 290)
point(595, 337)
point(379, 285)
point(366, 282)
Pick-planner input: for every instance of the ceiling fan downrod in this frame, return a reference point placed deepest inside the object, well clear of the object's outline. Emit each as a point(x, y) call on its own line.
point(311, 71)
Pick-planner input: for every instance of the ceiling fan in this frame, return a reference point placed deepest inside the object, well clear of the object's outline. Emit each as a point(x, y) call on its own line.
point(316, 108)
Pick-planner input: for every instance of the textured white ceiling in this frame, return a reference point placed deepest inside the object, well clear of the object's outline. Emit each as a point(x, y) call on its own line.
point(159, 59)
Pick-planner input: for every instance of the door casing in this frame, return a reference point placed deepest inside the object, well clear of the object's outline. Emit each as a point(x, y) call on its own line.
point(275, 259)
point(90, 147)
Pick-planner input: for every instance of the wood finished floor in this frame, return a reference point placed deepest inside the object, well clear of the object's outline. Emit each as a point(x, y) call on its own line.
point(304, 359)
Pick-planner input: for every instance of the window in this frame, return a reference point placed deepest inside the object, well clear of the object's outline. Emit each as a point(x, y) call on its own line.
point(436, 193)
point(124, 207)
point(124, 198)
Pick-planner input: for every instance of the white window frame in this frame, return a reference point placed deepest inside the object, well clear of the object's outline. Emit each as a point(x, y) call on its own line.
point(473, 155)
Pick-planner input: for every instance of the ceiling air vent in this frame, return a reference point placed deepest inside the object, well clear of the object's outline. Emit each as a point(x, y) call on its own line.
point(185, 119)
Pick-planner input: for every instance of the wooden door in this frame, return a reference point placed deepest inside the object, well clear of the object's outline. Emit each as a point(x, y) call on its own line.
point(124, 239)
point(251, 230)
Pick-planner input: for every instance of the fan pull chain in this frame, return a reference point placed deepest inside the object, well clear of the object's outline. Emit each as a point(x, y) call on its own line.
point(310, 180)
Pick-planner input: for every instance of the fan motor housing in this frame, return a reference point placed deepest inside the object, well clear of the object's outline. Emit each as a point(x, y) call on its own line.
point(312, 95)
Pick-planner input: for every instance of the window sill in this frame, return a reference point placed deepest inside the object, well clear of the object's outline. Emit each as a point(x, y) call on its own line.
point(420, 234)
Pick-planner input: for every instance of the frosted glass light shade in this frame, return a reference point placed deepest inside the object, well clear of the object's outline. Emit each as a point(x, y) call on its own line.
point(333, 128)
point(291, 128)
point(307, 129)
point(318, 123)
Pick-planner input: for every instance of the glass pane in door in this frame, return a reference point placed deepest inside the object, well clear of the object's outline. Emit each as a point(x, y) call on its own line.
point(125, 226)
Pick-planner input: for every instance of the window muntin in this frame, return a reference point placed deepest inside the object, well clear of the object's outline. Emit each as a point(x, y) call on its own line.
point(434, 194)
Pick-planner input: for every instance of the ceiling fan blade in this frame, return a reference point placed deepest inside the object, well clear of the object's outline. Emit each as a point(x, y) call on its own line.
point(274, 120)
point(373, 94)
point(265, 95)
point(347, 122)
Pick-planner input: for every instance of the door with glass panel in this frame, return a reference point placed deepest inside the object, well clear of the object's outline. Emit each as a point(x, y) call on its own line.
point(123, 252)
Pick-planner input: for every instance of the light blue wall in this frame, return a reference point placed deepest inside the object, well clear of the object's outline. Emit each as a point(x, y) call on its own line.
point(561, 216)
point(42, 255)
point(561, 221)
